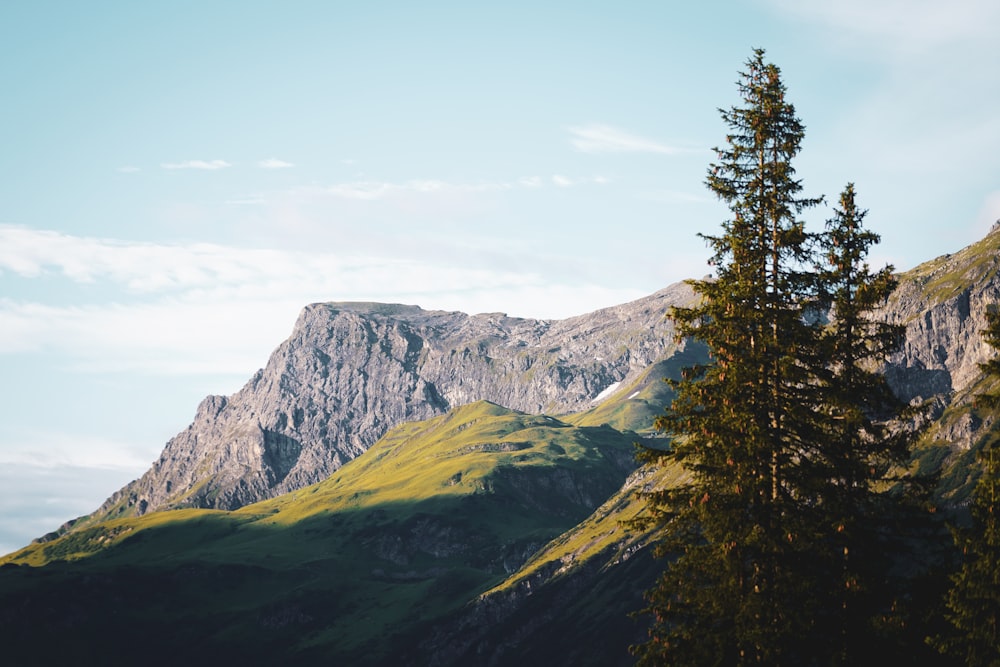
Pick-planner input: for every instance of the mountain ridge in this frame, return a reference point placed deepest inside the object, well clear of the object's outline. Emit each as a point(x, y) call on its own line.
point(394, 559)
point(351, 370)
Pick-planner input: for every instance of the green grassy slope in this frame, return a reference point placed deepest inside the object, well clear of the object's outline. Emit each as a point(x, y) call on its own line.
point(636, 406)
point(946, 276)
point(349, 569)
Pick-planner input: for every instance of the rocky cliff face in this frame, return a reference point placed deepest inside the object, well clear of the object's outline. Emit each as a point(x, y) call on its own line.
point(943, 304)
point(351, 371)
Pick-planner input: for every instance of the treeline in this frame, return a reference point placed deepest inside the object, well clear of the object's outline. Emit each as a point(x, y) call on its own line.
point(800, 539)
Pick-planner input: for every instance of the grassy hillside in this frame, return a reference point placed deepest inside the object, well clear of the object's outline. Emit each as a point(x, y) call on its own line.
point(948, 275)
point(634, 407)
point(485, 531)
point(353, 568)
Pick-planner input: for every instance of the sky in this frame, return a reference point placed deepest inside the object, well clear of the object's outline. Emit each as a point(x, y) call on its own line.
point(178, 179)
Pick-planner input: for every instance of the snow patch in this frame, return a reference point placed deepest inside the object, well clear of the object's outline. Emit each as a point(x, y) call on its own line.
point(607, 392)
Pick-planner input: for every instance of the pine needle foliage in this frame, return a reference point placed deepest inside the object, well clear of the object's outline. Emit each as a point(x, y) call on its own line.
point(781, 432)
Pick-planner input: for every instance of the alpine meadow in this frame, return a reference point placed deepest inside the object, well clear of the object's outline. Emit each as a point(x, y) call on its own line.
point(791, 461)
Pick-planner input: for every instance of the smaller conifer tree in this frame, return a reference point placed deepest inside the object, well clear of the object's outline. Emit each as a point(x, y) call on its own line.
point(772, 551)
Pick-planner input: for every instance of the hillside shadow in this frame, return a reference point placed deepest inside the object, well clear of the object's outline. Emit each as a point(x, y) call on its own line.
point(354, 585)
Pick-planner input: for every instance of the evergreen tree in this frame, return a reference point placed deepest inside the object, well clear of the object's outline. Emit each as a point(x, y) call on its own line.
point(861, 446)
point(974, 599)
point(778, 432)
point(725, 597)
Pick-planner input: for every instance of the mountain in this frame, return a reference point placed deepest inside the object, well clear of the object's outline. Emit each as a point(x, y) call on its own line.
point(481, 535)
point(351, 371)
point(943, 304)
point(354, 569)
point(584, 583)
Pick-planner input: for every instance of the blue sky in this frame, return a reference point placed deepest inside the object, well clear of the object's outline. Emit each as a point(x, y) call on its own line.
point(179, 178)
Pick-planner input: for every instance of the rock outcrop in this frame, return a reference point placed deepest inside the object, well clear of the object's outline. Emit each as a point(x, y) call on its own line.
point(943, 304)
point(351, 371)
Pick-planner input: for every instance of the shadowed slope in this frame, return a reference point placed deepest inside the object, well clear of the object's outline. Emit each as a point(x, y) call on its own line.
point(351, 568)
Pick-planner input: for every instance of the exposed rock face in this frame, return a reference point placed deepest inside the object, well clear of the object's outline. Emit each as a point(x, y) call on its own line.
point(351, 371)
point(943, 304)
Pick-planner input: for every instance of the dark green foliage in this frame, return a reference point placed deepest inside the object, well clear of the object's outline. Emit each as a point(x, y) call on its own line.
point(974, 599)
point(992, 367)
point(775, 547)
point(857, 452)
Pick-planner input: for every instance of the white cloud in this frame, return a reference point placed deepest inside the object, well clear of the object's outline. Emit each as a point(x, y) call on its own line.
point(596, 138)
point(204, 308)
point(197, 164)
point(902, 27)
point(38, 499)
point(926, 109)
point(364, 190)
point(140, 267)
point(372, 190)
point(272, 163)
point(128, 169)
point(47, 449)
point(375, 190)
point(566, 182)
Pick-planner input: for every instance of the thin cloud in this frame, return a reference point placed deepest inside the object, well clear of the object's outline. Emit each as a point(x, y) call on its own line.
point(595, 138)
point(272, 163)
point(934, 74)
point(902, 26)
point(224, 290)
point(210, 165)
point(128, 169)
point(374, 190)
point(40, 498)
point(48, 449)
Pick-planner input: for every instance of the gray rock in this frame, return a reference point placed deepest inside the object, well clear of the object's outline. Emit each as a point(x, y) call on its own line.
point(943, 304)
point(351, 371)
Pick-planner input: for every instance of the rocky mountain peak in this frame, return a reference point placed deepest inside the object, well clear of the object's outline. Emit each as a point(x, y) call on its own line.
point(350, 371)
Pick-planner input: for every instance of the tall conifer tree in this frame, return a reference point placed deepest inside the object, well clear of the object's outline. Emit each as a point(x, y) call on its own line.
point(779, 431)
point(725, 599)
